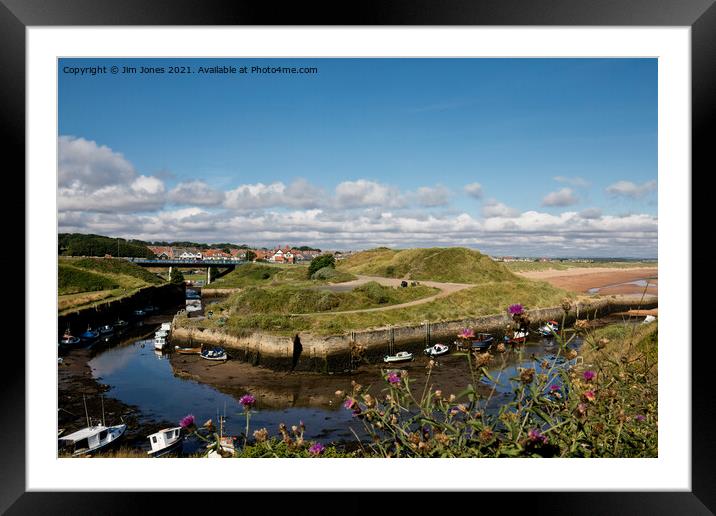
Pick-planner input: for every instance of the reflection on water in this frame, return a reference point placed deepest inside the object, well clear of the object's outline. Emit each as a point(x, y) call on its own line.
point(140, 376)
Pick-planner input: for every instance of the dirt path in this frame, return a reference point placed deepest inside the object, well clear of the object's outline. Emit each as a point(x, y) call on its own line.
point(445, 290)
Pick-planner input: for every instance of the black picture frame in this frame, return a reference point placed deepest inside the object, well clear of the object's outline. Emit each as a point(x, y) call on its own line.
point(699, 15)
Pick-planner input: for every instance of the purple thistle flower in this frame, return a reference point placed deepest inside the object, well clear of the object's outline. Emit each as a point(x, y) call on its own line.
point(536, 436)
point(467, 333)
point(316, 449)
point(349, 403)
point(640, 418)
point(553, 388)
point(515, 309)
point(187, 421)
point(393, 378)
point(247, 400)
point(589, 375)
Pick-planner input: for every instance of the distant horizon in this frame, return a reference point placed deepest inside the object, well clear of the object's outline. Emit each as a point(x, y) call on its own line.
point(304, 244)
point(510, 156)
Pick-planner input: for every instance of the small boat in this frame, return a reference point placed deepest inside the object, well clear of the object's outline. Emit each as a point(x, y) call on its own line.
point(518, 337)
point(139, 313)
point(400, 356)
point(89, 335)
point(648, 319)
point(214, 354)
point(161, 333)
point(107, 329)
point(187, 351)
point(548, 329)
point(481, 341)
point(159, 342)
point(225, 448)
point(166, 441)
point(437, 350)
point(167, 326)
point(91, 439)
point(68, 339)
point(121, 324)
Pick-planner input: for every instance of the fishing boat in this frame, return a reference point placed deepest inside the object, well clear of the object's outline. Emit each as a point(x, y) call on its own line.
point(518, 337)
point(214, 354)
point(106, 330)
point(188, 351)
point(120, 324)
point(166, 441)
point(548, 329)
point(437, 350)
point(89, 335)
point(68, 339)
point(225, 446)
point(91, 439)
point(481, 341)
point(400, 356)
point(160, 342)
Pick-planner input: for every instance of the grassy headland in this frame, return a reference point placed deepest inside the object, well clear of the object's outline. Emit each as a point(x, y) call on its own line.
point(264, 275)
point(85, 281)
point(446, 264)
point(277, 299)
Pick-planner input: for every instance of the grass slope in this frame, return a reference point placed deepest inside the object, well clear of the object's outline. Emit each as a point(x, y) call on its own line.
point(448, 264)
point(258, 274)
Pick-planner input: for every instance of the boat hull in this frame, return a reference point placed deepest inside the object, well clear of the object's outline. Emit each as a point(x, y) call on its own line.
point(176, 447)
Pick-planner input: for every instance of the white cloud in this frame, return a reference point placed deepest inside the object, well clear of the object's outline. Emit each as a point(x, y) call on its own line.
point(95, 178)
point(474, 190)
point(629, 189)
point(300, 193)
point(531, 232)
point(196, 192)
point(432, 196)
point(563, 197)
point(590, 213)
point(493, 208)
point(351, 194)
point(576, 181)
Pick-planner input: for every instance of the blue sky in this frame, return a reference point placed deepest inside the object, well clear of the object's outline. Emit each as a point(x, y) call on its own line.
point(487, 153)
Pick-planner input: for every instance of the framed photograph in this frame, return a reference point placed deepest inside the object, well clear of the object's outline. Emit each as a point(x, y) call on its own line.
point(416, 251)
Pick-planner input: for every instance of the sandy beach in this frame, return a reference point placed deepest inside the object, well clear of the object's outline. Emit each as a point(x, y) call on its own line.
point(609, 281)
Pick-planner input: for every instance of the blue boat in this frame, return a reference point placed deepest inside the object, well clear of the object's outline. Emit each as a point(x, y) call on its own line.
point(89, 335)
point(482, 341)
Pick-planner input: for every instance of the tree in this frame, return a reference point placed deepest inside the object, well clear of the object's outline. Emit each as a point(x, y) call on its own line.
point(250, 256)
point(176, 277)
point(319, 262)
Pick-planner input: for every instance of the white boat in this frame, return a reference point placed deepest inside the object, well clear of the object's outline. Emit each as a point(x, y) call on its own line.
point(225, 449)
point(166, 326)
point(68, 339)
point(159, 342)
point(161, 333)
point(437, 350)
point(166, 441)
point(214, 354)
point(400, 356)
point(548, 329)
point(91, 439)
point(648, 319)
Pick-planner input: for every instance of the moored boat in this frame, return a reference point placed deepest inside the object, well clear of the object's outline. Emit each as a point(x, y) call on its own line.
point(548, 329)
point(188, 351)
point(160, 342)
point(481, 341)
point(518, 337)
point(68, 339)
point(166, 441)
point(400, 356)
point(91, 439)
point(216, 353)
point(139, 313)
point(120, 324)
point(437, 350)
point(89, 335)
point(107, 329)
